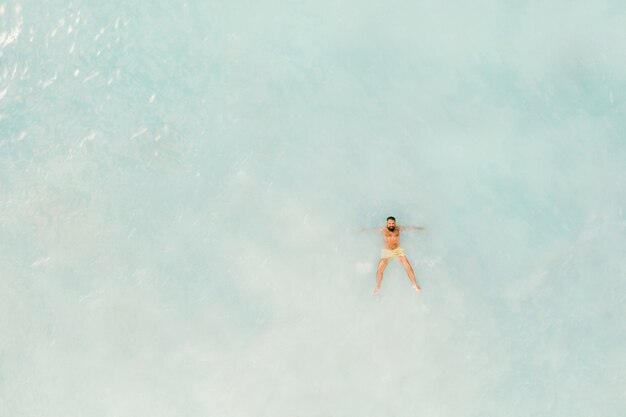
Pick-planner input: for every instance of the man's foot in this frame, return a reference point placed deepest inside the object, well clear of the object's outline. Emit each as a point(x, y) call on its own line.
point(417, 288)
point(375, 290)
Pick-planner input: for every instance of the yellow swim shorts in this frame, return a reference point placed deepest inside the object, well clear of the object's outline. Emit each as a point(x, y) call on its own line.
point(390, 253)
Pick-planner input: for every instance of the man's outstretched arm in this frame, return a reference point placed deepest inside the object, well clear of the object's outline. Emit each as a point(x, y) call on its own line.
point(411, 228)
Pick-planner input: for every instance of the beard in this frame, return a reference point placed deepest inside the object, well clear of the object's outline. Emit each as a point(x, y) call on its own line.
point(391, 228)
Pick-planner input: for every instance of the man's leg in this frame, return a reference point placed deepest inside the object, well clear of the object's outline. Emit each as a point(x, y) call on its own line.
point(379, 274)
point(410, 273)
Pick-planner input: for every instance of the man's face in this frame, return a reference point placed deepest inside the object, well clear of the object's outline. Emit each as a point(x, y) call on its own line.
point(391, 225)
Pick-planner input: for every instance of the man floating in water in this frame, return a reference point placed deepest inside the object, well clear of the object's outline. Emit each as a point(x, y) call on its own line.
point(392, 249)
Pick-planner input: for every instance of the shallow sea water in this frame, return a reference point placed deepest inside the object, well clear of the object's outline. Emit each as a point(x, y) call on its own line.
point(182, 186)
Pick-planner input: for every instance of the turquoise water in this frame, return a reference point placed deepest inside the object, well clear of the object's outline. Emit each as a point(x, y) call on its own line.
point(182, 185)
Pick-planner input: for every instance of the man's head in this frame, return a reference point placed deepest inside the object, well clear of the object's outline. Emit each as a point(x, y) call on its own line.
point(391, 223)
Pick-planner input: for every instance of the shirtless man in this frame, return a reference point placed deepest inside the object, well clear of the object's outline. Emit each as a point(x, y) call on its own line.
point(392, 249)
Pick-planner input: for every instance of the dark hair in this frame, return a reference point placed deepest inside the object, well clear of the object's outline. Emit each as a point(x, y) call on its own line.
point(391, 218)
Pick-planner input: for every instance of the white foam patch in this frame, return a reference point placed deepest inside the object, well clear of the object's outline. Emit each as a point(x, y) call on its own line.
point(364, 267)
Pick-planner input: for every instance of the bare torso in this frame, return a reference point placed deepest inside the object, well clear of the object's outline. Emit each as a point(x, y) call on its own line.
point(391, 239)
